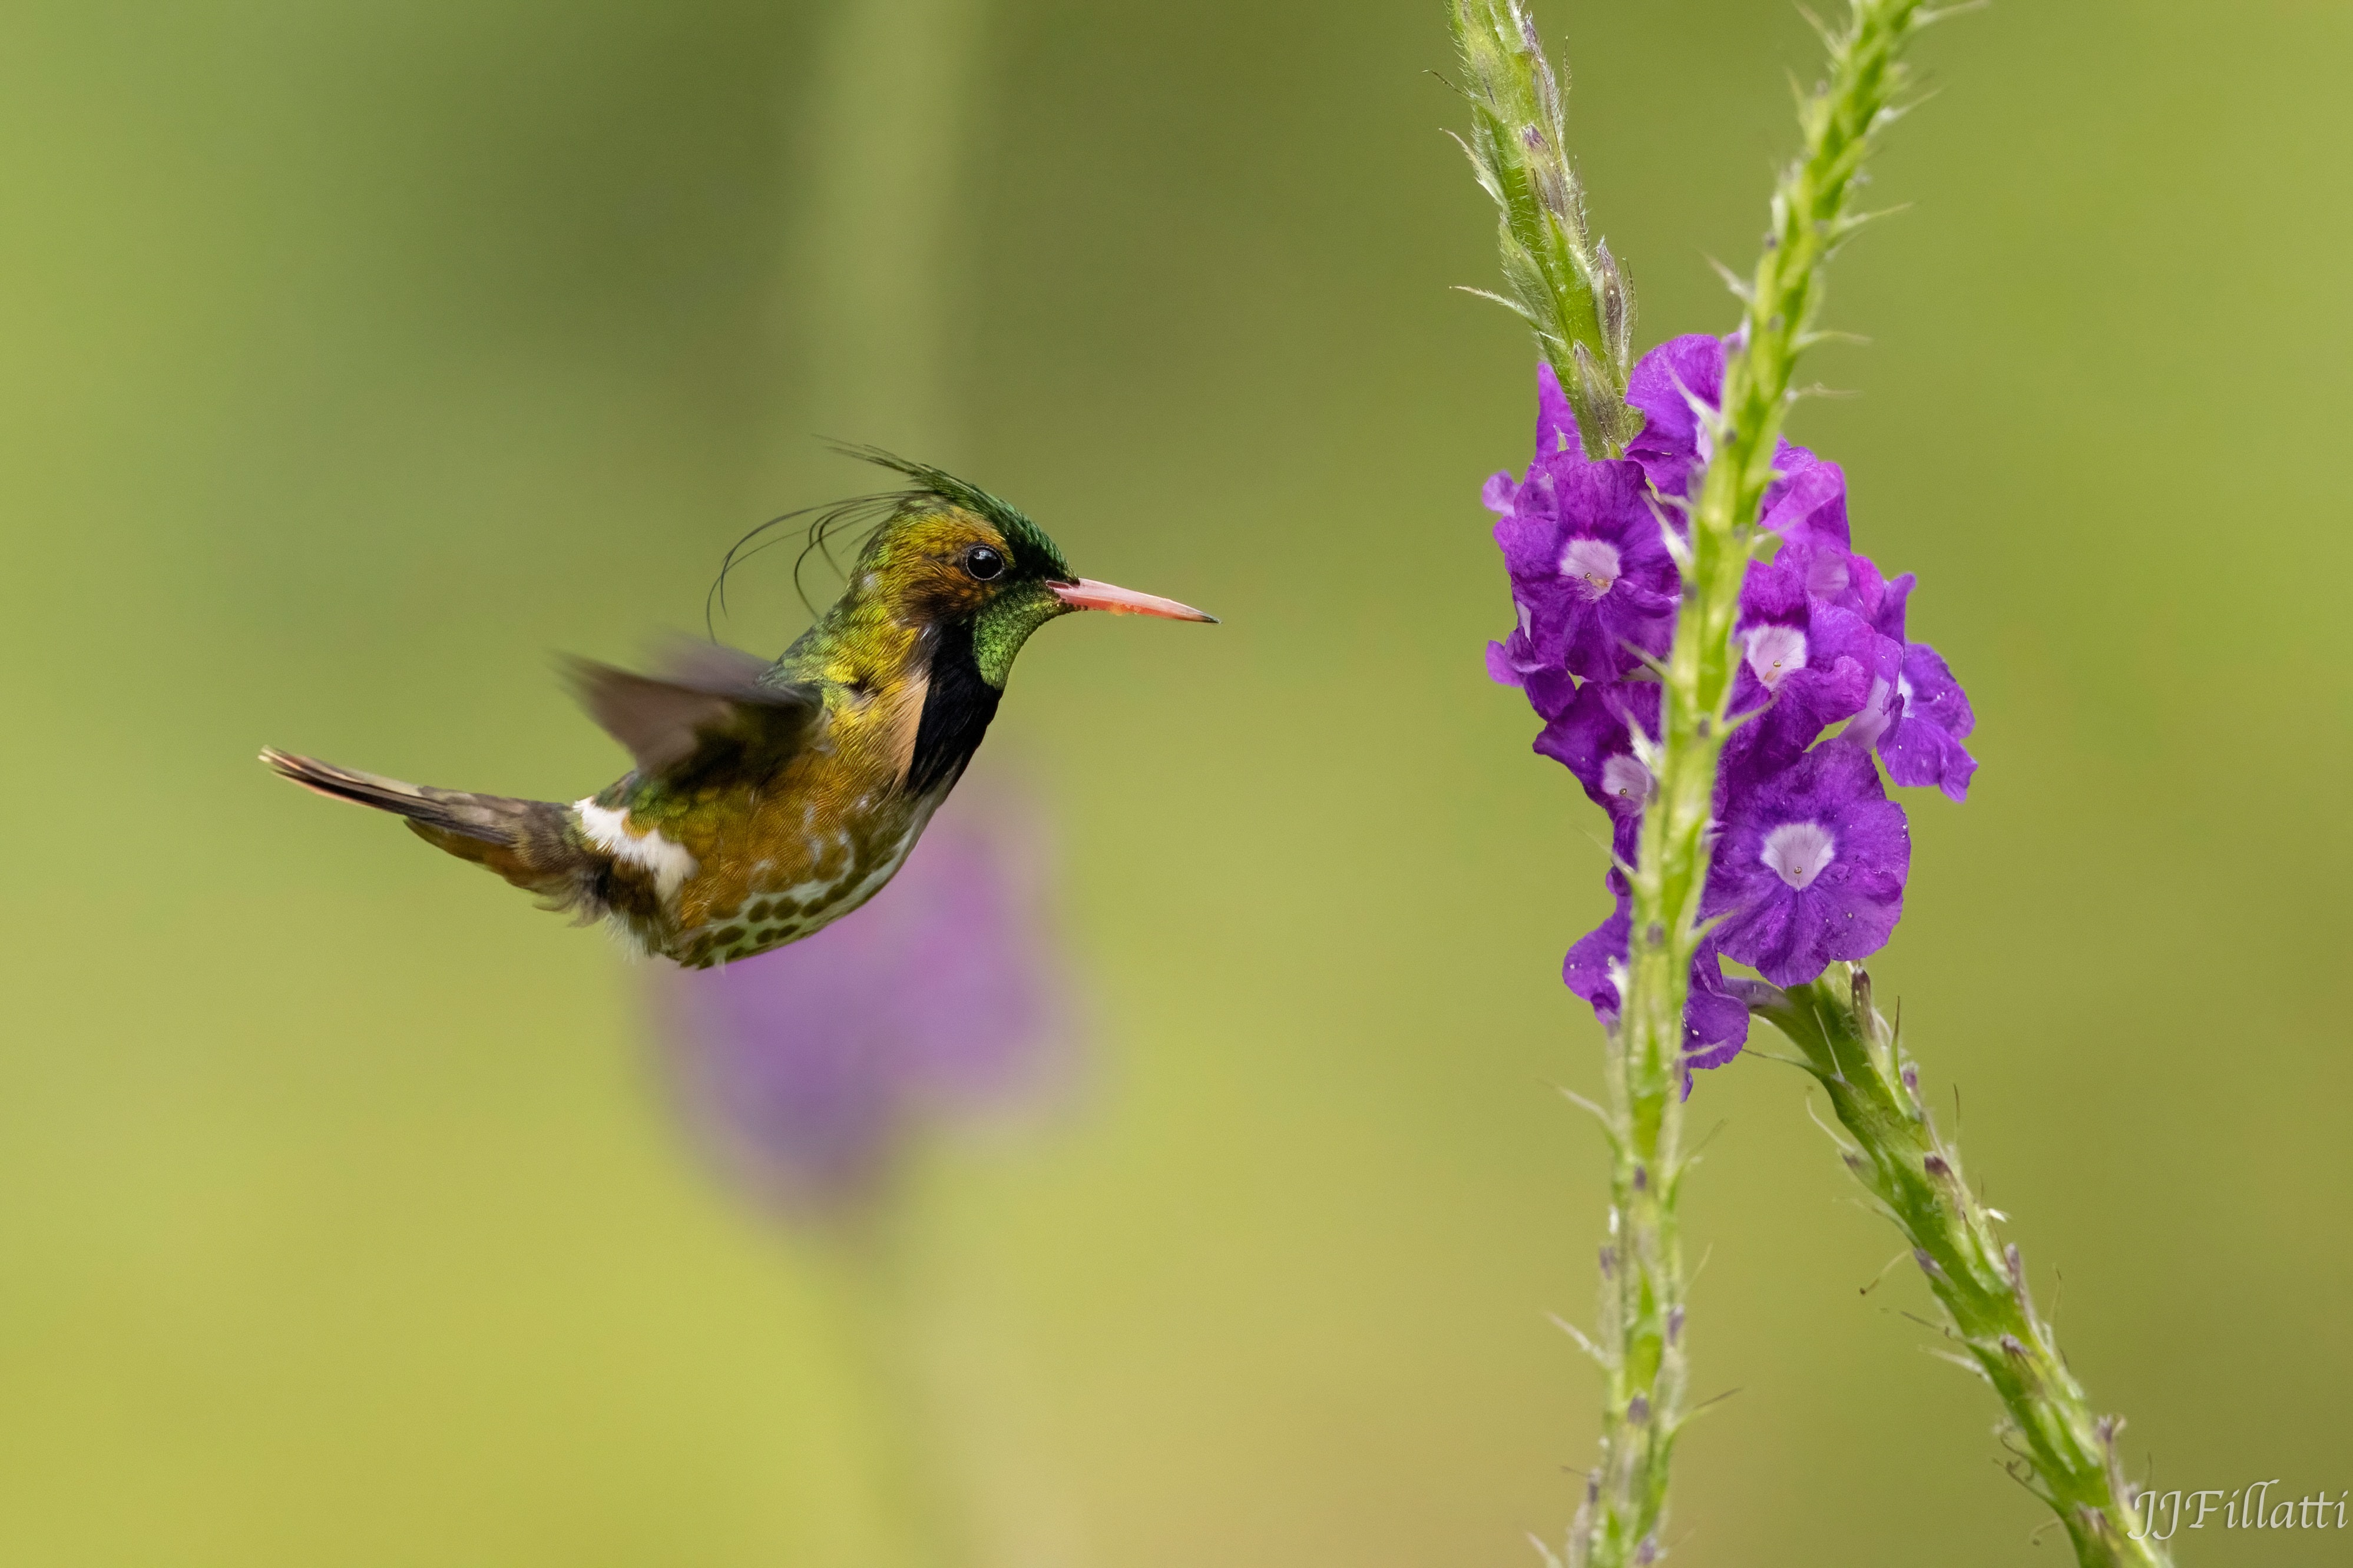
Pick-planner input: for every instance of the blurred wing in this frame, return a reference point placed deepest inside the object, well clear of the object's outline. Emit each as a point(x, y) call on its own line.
point(712, 705)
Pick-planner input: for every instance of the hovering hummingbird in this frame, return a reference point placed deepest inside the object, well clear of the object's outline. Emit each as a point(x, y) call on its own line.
point(769, 800)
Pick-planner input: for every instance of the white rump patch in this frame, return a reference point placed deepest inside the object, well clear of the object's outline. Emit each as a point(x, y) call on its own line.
point(1775, 651)
point(1798, 852)
point(1593, 562)
point(669, 864)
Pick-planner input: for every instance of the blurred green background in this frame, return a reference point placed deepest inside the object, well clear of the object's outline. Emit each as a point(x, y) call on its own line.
point(361, 356)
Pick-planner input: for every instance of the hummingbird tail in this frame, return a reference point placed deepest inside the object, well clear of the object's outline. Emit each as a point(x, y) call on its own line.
point(528, 842)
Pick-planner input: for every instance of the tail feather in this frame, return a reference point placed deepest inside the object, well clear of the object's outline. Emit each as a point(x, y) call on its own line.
point(528, 842)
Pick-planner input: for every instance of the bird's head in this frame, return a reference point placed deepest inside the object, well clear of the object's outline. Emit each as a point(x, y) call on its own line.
point(951, 556)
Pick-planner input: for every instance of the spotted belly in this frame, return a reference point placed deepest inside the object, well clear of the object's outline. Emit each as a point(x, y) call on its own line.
point(771, 916)
point(761, 890)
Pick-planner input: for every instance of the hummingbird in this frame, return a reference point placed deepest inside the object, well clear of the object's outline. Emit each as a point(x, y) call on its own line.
point(769, 800)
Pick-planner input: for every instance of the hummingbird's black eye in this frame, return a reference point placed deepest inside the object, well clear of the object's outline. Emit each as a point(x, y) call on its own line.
point(983, 564)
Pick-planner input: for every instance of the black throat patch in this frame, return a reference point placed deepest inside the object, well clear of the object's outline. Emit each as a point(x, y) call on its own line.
point(957, 707)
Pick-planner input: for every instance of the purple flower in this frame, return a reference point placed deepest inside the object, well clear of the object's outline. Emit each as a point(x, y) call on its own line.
point(1715, 1022)
point(1810, 866)
point(1594, 962)
point(1513, 662)
point(1783, 627)
point(1771, 741)
point(1679, 387)
point(1917, 717)
point(1591, 579)
point(1806, 507)
point(1593, 737)
point(805, 1070)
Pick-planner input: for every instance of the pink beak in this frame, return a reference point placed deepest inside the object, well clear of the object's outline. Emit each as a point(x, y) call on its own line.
point(1084, 595)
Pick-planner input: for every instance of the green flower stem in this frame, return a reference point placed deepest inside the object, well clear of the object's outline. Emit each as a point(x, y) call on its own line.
point(893, 1430)
point(1571, 292)
point(1810, 215)
point(1562, 282)
point(2060, 1450)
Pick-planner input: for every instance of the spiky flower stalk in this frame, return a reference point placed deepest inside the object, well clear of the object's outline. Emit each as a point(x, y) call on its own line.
point(2060, 1450)
point(1571, 290)
point(1811, 214)
point(1563, 281)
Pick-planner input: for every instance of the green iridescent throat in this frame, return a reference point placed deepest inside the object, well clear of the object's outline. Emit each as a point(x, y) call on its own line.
point(999, 631)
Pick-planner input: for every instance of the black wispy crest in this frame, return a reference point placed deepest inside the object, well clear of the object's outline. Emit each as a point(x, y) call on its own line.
point(870, 514)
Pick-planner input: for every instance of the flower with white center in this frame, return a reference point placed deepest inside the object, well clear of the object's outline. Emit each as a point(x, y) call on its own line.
point(1591, 577)
point(1798, 852)
point(1810, 867)
point(1623, 778)
point(1775, 651)
point(1784, 629)
point(1592, 564)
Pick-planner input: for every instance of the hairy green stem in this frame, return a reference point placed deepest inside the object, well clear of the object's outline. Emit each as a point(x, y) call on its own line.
point(1571, 290)
point(2058, 1449)
point(1810, 214)
point(1565, 283)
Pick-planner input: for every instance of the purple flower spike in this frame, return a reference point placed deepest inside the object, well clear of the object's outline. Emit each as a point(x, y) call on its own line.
point(1810, 856)
point(805, 1070)
point(1592, 578)
point(1810, 867)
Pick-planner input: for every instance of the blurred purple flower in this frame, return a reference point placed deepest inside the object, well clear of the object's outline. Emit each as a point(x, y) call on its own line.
point(807, 1070)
